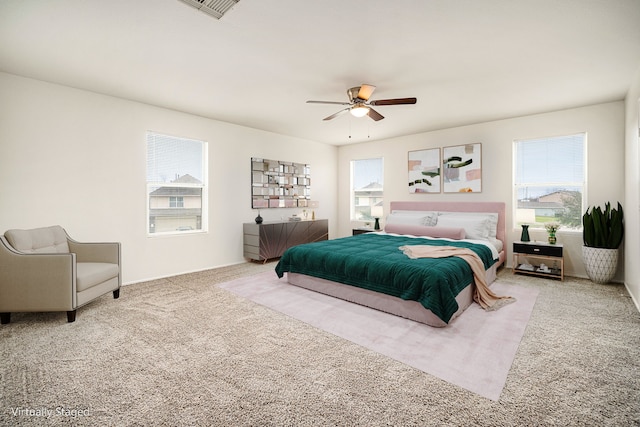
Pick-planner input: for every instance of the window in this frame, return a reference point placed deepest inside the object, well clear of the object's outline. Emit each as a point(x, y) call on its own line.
point(176, 184)
point(176, 202)
point(366, 187)
point(549, 181)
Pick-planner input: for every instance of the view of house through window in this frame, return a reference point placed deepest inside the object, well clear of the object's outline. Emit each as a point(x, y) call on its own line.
point(176, 190)
point(549, 180)
point(366, 188)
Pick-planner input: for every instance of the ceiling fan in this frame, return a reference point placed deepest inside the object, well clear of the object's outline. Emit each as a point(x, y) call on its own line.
point(359, 104)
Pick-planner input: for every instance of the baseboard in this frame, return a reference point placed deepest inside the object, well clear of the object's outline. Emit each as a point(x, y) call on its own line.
point(633, 298)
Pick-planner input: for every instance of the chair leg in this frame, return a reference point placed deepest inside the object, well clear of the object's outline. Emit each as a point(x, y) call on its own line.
point(116, 294)
point(71, 316)
point(5, 318)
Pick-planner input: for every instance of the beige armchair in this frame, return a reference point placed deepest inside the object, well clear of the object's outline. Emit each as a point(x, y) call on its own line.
point(43, 269)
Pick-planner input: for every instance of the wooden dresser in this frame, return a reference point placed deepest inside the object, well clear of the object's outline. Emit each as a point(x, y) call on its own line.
point(270, 239)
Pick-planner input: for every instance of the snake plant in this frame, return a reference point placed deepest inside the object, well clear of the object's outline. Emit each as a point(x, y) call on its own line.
point(603, 228)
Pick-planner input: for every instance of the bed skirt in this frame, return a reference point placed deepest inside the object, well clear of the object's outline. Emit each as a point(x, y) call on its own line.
point(390, 304)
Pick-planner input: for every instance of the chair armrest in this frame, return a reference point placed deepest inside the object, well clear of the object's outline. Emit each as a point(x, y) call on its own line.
point(95, 252)
point(36, 282)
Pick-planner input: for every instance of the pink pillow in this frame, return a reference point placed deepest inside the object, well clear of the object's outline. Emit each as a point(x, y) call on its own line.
point(456, 233)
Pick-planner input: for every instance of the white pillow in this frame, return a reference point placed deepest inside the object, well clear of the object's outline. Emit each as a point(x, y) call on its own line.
point(427, 217)
point(475, 227)
point(406, 219)
point(491, 216)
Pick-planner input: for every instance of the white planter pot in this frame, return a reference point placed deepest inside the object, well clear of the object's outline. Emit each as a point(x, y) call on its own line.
point(601, 264)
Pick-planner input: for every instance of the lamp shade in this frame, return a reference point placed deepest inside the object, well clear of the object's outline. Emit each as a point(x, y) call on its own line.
point(377, 211)
point(525, 216)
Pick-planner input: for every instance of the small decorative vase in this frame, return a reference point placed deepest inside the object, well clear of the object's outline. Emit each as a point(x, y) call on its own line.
point(258, 218)
point(552, 238)
point(524, 237)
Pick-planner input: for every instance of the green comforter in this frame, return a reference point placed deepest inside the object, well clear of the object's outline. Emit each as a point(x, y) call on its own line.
point(373, 261)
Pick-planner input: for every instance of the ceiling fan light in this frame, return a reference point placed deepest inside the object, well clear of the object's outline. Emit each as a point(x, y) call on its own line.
point(359, 110)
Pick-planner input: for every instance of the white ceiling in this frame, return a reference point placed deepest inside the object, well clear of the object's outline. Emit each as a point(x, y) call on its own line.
point(467, 61)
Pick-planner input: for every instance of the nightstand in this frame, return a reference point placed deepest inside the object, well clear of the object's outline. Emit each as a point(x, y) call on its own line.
point(362, 230)
point(539, 252)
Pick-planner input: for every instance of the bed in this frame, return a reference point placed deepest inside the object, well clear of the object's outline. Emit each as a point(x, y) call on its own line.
point(370, 270)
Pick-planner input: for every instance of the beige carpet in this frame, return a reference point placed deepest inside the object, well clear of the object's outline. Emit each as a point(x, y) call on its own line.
point(474, 352)
point(183, 352)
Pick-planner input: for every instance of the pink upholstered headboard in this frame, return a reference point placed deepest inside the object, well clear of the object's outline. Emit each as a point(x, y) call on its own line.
point(499, 207)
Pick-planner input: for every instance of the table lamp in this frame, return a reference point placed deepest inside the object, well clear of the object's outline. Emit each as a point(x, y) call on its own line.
point(376, 213)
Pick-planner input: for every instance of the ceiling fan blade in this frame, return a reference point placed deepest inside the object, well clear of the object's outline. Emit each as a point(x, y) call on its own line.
point(375, 115)
point(396, 101)
point(339, 113)
point(329, 102)
point(366, 91)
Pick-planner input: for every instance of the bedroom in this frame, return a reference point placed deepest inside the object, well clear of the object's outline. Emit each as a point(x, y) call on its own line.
point(76, 157)
point(114, 157)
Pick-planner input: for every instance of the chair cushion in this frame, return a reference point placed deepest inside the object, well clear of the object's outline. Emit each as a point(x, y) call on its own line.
point(39, 240)
point(89, 274)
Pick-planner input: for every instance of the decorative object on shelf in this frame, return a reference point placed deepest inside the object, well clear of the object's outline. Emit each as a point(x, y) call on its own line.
point(278, 184)
point(424, 171)
point(552, 227)
point(462, 168)
point(258, 218)
point(525, 217)
point(314, 204)
point(377, 212)
point(602, 232)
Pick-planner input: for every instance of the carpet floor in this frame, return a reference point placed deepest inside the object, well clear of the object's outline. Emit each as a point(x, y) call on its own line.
point(181, 351)
point(474, 352)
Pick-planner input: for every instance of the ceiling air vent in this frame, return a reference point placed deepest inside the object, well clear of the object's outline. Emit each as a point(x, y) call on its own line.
point(215, 8)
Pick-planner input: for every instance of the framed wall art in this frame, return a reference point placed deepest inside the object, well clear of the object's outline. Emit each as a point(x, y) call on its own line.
point(462, 168)
point(424, 171)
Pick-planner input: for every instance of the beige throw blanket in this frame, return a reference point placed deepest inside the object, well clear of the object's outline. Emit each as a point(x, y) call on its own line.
point(482, 294)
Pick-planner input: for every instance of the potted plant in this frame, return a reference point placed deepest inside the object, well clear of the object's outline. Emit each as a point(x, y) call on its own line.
point(602, 234)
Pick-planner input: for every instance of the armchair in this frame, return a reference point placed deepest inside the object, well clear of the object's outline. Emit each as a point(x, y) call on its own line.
point(43, 269)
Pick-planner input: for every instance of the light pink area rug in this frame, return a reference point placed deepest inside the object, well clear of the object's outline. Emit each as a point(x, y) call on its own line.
point(474, 352)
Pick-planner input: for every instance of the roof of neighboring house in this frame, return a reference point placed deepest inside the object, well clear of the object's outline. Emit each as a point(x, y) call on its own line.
point(176, 191)
point(558, 193)
point(187, 179)
point(373, 186)
point(540, 205)
point(179, 191)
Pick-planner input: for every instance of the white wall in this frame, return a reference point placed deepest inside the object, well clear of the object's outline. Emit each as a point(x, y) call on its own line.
point(78, 159)
point(604, 124)
point(632, 191)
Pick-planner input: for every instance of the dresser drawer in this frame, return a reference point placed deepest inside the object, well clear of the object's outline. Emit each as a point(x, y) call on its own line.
point(537, 249)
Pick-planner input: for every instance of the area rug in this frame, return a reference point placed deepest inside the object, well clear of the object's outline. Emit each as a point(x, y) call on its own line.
point(474, 352)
